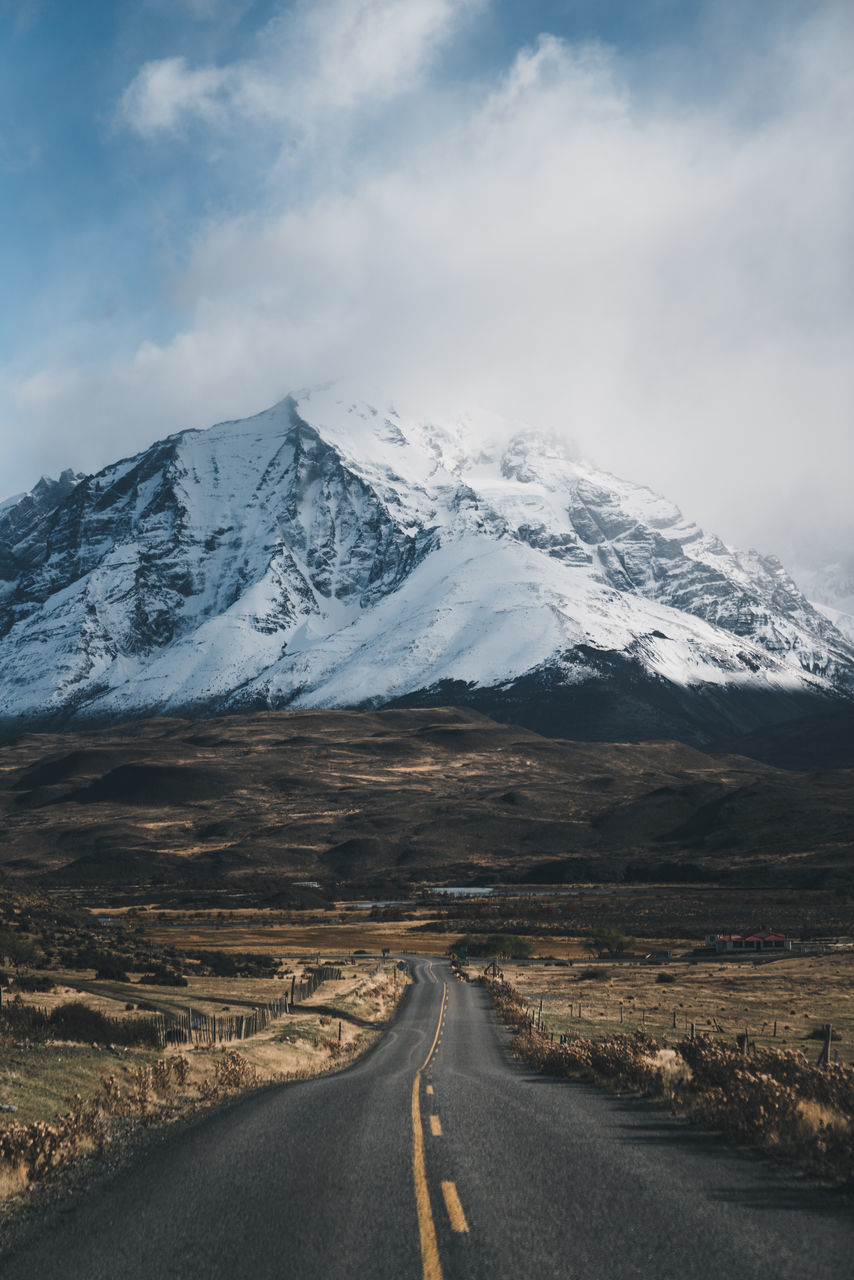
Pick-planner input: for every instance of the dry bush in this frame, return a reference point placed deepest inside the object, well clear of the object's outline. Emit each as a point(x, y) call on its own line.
point(162, 1075)
point(31, 1152)
point(772, 1098)
point(142, 1082)
point(778, 1099)
point(628, 1061)
point(231, 1073)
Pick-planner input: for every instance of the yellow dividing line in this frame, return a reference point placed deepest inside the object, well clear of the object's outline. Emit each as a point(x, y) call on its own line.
point(430, 1266)
point(455, 1209)
point(426, 1061)
point(436, 1126)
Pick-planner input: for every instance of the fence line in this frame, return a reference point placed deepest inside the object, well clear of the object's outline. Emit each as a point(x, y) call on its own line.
point(745, 1040)
point(191, 1026)
point(207, 1029)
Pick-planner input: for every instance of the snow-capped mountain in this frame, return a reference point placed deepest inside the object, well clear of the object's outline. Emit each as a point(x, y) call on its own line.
point(326, 553)
point(830, 587)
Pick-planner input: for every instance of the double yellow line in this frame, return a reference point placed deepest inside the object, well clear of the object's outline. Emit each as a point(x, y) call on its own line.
point(430, 1265)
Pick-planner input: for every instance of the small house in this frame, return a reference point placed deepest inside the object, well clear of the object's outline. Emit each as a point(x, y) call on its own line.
point(751, 940)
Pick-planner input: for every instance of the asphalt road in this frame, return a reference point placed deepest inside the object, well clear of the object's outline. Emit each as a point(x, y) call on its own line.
point(437, 1157)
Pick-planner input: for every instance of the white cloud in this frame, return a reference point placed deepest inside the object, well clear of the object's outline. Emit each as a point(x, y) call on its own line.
point(166, 93)
point(669, 284)
point(214, 10)
point(314, 58)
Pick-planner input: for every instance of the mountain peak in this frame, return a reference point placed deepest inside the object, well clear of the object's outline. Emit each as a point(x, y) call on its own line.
point(338, 551)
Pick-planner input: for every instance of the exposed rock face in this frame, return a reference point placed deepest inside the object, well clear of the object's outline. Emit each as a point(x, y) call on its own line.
point(326, 554)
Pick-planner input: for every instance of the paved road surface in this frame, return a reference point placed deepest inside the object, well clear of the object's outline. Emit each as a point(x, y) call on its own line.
point(437, 1157)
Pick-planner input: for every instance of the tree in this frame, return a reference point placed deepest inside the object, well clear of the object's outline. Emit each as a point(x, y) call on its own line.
point(608, 938)
point(505, 945)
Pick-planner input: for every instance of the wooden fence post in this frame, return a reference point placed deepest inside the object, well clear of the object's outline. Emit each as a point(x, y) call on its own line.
point(824, 1056)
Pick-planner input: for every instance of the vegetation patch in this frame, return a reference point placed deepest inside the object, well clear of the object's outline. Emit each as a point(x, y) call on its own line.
point(770, 1098)
point(503, 945)
point(73, 1021)
point(74, 1080)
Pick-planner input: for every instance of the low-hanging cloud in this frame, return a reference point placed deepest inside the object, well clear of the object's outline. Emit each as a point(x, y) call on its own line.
point(667, 282)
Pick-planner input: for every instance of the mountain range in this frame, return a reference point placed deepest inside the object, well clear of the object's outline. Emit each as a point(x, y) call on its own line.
point(331, 553)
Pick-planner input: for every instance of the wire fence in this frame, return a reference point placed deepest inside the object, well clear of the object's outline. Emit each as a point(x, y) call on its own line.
point(582, 1019)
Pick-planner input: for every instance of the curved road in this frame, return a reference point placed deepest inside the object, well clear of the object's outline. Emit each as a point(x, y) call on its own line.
point(437, 1157)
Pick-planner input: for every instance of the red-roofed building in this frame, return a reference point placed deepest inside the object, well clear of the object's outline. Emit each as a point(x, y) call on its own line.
point(752, 940)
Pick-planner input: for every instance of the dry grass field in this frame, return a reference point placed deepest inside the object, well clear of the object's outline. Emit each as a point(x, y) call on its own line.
point(61, 1101)
point(40, 1080)
point(723, 999)
point(325, 934)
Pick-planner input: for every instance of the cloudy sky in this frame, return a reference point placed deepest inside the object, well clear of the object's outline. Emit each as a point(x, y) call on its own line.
point(629, 221)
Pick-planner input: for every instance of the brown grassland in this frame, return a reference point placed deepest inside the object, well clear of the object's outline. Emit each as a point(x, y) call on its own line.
point(65, 1100)
point(324, 932)
point(723, 999)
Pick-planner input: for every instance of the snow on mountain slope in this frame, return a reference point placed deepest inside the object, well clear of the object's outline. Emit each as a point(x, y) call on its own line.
point(327, 553)
point(843, 622)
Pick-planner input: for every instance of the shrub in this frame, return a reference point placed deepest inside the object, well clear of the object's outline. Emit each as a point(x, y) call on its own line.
point(18, 949)
point(593, 973)
point(77, 1021)
point(163, 978)
point(228, 964)
point(231, 1072)
point(30, 982)
point(505, 945)
point(110, 971)
point(664, 976)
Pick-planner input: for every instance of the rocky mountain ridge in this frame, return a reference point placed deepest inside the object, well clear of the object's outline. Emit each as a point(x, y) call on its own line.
point(327, 553)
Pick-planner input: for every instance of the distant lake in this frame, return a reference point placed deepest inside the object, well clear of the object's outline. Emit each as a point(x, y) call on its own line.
point(464, 891)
